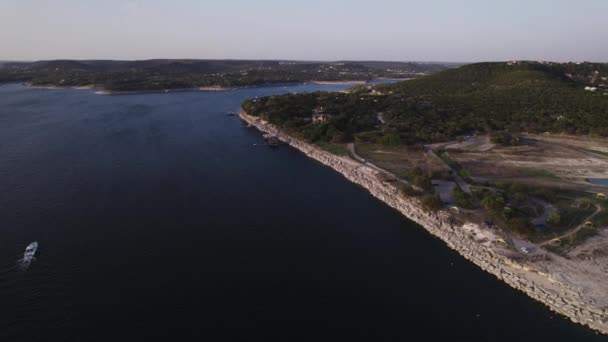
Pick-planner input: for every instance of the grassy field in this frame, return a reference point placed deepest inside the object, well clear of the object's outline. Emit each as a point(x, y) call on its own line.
point(539, 173)
point(403, 160)
point(568, 243)
point(605, 154)
point(601, 219)
point(584, 234)
point(571, 216)
point(400, 160)
point(337, 149)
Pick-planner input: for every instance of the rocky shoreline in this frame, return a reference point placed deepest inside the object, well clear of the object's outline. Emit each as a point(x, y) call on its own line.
point(540, 279)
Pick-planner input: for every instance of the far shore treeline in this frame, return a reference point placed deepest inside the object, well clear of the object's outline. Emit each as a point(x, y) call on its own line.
point(166, 74)
point(478, 98)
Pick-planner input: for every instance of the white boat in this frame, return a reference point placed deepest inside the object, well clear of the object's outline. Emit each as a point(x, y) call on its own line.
point(30, 251)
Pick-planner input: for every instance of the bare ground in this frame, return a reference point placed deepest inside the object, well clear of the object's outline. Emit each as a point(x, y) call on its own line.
point(542, 162)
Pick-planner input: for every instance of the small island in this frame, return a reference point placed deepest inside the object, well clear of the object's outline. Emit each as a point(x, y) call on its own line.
point(493, 158)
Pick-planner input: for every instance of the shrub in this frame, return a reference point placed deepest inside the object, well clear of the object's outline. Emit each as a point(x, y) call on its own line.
point(554, 218)
point(463, 199)
point(432, 202)
point(423, 181)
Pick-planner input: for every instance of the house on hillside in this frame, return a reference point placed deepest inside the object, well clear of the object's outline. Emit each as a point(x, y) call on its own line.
point(376, 91)
point(319, 116)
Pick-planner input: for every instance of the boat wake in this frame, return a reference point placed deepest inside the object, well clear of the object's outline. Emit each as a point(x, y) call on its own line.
point(29, 256)
point(24, 264)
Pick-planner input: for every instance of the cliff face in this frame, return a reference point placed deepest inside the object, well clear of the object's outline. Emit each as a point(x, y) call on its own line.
point(470, 240)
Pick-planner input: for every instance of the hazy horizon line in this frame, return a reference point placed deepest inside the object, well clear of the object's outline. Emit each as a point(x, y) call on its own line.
point(298, 60)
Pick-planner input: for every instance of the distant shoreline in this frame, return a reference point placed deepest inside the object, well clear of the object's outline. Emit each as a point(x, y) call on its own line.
point(101, 91)
point(338, 82)
point(54, 87)
point(163, 91)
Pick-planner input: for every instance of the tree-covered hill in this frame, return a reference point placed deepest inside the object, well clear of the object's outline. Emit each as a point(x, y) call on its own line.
point(484, 97)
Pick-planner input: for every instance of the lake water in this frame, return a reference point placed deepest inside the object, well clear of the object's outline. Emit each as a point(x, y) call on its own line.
point(159, 219)
point(598, 181)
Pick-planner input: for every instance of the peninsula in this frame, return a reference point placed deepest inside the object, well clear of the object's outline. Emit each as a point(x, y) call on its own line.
point(505, 162)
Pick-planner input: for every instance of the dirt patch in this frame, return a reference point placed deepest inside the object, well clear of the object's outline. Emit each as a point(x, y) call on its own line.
point(400, 160)
point(540, 160)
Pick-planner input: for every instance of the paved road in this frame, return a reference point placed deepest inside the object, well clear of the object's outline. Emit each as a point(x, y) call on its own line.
point(461, 183)
point(353, 153)
point(532, 249)
point(445, 189)
point(547, 210)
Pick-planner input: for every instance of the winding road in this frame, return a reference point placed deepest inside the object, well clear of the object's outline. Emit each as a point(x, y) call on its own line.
point(461, 183)
point(572, 232)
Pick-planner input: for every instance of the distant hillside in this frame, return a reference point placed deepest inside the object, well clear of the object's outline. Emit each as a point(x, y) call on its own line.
point(484, 97)
point(406, 67)
point(161, 74)
point(497, 96)
point(154, 65)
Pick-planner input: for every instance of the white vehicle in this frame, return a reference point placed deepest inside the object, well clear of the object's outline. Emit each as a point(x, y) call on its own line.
point(526, 250)
point(30, 251)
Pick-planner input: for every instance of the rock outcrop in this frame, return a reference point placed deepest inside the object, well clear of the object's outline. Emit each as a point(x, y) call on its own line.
point(538, 279)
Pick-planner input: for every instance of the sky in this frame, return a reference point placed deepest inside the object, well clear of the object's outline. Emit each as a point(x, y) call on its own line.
point(405, 30)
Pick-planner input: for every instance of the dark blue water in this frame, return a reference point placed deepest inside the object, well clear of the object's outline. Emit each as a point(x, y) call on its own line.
point(598, 181)
point(158, 219)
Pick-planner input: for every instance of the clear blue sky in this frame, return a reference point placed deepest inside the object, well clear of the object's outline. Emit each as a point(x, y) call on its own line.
point(423, 30)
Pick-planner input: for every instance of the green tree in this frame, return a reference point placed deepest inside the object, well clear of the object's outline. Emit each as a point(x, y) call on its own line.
point(495, 203)
point(554, 218)
point(463, 199)
point(390, 139)
point(423, 182)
